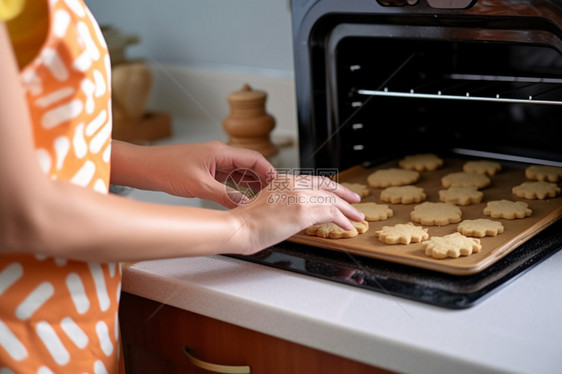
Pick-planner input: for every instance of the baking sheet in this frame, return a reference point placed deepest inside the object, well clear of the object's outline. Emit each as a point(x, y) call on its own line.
point(516, 231)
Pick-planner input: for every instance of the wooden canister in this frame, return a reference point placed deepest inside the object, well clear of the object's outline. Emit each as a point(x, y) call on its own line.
point(248, 125)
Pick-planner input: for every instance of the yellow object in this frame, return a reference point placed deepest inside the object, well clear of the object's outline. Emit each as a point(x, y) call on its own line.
point(10, 9)
point(28, 28)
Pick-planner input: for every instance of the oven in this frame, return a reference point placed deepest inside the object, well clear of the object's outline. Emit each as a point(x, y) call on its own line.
point(467, 79)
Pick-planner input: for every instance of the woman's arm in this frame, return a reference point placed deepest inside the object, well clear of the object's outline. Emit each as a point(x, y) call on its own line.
point(189, 170)
point(39, 215)
point(57, 218)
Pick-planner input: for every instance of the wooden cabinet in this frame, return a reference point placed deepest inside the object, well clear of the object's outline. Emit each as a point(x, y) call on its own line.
point(154, 336)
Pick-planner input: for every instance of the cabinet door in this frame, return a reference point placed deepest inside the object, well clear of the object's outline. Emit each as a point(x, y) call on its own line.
point(155, 335)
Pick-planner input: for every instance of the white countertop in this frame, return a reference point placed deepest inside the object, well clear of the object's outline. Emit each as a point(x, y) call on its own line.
point(516, 329)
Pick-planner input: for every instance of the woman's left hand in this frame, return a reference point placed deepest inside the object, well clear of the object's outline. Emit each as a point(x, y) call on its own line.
point(192, 170)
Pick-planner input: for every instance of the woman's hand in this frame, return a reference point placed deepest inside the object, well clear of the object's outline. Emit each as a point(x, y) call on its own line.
point(290, 204)
point(192, 170)
point(282, 205)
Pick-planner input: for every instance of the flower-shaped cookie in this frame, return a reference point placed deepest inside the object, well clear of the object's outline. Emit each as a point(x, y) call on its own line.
point(452, 245)
point(403, 194)
point(464, 179)
point(402, 233)
point(374, 211)
point(421, 162)
point(461, 195)
point(436, 214)
point(480, 227)
point(360, 189)
point(507, 209)
point(544, 173)
point(536, 190)
point(333, 231)
point(482, 167)
point(392, 177)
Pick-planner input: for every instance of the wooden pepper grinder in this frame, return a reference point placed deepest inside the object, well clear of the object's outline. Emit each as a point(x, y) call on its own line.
point(248, 125)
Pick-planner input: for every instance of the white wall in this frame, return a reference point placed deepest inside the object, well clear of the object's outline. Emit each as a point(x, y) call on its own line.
point(201, 50)
point(225, 34)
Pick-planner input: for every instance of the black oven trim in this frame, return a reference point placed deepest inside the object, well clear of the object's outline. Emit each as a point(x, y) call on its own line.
point(396, 280)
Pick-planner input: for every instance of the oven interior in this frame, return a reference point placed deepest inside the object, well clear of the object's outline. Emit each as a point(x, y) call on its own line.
point(458, 96)
point(377, 90)
point(377, 85)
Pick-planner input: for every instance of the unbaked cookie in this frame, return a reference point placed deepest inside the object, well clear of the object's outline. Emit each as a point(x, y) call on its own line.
point(436, 214)
point(452, 245)
point(482, 167)
point(421, 162)
point(464, 179)
point(392, 177)
point(403, 194)
point(536, 190)
point(333, 231)
point(360, 189)
point(544, 173)
point(402, 233)
point(480, 227)
point(507, 209)
point(461, 195)
point(374, 211)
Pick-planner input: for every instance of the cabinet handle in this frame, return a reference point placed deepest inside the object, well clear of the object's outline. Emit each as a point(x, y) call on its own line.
point(189, 354)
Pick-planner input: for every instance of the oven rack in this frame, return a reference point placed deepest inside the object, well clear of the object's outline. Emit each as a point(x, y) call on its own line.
point(472, 87)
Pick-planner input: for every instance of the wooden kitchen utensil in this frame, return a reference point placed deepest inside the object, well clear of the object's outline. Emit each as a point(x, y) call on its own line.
point(248, 125)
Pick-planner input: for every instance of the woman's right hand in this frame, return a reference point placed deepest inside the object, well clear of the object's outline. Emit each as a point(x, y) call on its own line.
point(290, 204)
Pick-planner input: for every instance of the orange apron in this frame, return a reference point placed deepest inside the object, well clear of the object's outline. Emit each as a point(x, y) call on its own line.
point(58, 315)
